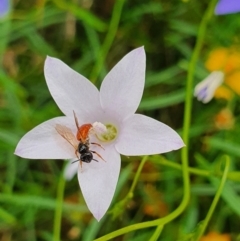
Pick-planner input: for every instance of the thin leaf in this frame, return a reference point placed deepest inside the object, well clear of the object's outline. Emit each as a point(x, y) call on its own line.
point(162, 101)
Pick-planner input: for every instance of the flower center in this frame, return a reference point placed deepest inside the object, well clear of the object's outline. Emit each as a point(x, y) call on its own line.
point(105, 133)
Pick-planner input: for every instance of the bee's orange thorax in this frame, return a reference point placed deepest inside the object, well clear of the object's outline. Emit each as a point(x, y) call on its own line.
point(83, 131)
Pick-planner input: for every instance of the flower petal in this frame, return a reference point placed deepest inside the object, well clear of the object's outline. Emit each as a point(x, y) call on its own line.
point(70, 90)
point(44, 142)
point(227, 7)
point(98, 181)
point(204, 90)
point(4, 8)
point(70, 170)
point(142, 135)
point(121, 90)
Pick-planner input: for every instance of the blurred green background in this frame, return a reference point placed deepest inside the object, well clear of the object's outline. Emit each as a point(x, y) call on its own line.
point(91, 37)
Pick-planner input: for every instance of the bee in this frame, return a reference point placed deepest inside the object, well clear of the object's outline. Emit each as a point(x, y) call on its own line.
point(80, 142)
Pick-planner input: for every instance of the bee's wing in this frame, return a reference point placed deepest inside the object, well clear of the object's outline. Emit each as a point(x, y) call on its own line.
point(67, 134)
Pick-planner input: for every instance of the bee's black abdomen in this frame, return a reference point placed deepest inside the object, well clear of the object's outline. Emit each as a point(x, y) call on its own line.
point(86, 157)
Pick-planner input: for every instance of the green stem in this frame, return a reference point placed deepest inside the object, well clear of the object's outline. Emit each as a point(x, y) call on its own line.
point(188, 103)
point(11, 173)
point(190, 169)
point(234, 176)
point(120, 206)
point(157, 233)
point(6, 217)
point(113, 26)
point(186, 125)
point(215, 200)
point(136, 177)
point(58, 210)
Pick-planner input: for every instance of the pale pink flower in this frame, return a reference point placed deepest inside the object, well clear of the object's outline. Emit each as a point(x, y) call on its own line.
point(114, 107)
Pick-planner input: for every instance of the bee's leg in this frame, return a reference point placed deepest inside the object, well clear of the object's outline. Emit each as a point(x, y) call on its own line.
point(80, 167)
point(75, 161)
point(93, 143)
point(95, 160)
point(97, 155)
point(78, 159)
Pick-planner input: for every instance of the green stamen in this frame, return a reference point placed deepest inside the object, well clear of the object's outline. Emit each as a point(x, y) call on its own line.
point(109, 135)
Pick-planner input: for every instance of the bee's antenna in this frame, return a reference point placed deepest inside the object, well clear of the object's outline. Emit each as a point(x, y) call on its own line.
point(76, 120)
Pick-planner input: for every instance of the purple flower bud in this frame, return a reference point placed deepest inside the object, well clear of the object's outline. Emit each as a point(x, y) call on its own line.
point(227, 7)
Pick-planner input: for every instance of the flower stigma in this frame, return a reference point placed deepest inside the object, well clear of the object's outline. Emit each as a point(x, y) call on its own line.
point(105, 133)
